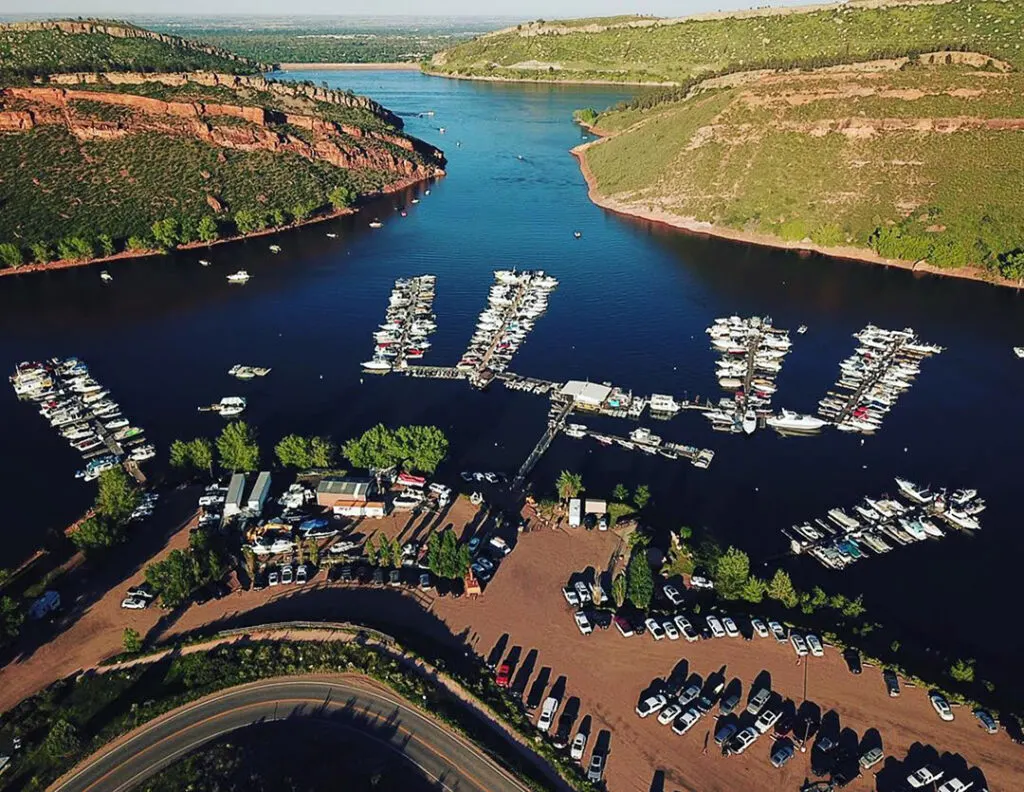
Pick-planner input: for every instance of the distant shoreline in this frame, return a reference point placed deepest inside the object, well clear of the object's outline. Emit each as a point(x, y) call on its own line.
point(394, 66)
point(543, 81)
point(698, 228)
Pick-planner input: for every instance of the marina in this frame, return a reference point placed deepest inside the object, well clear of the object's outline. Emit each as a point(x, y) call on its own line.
point(644, 441)
point(877, 526)
point(408, 322)
point(79, 408)
point(872, 379)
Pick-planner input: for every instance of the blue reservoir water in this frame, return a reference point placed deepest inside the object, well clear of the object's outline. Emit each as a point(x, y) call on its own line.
point(631, 309)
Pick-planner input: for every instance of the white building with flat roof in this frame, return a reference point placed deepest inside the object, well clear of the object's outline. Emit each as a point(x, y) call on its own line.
point(586, 394)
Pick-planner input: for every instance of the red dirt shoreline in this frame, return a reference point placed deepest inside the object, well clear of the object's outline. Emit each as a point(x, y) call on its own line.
point(390, 189)
point(704, 229)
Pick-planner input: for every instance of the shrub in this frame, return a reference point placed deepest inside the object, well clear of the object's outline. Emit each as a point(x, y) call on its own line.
point(10, 255)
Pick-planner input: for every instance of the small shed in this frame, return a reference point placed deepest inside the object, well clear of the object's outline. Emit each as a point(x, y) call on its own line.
point(333, 489)
point(575, 513)
point(233, 500)
point(594, 506)
point(260, 491)
point(586, 394)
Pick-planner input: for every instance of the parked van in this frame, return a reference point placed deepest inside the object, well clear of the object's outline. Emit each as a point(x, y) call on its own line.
point(547, 714)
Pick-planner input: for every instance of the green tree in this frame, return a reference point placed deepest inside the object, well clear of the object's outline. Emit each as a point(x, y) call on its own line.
point(238, 447)
point(685, 533)
point(11, 619)
point(303, 210)
point(131, 641)
point(10, 255)
point(706, 556)
point(201, 451)
point(341, 197)
point(116, 497)
point(446, 556)
point(166, 233)
point(62, 740)
point(313, 550)
point(569, 485)
point(42, 252)
point(207, 229)
point(96, 533)
point(962, 670)
point(174, 578)
point(854, 607)
point(106, 244)
point(138, 243)
point(370, 551)
point(781, 589)
point(818, 597)
point(642, 496)
point(639, 581)
point(250, 220)
point(293, 451)
point(278, 218)
point(75, 248)
point(420, 448)
point(619, 590)
point(620, 494)
point(731, 573)
point(753, 589)
point(322, 452)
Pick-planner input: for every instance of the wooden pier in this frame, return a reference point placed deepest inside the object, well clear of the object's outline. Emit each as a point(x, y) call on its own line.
point(433, 372)
point(691, 454)
point(510, 311)
point(555, 425)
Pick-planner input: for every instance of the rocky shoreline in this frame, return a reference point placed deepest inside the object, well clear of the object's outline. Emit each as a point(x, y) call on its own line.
point(691, 225)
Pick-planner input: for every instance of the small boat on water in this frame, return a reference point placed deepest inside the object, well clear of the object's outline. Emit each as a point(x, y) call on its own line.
point(377, 364)
point(275, 248)
point(1019, 352)
point(749, 421)
point(575, 430)
point(239, 277)
point(204, 262)
point(331, 235)
point(376, 224)
point(106, 277)
point(789, 421)
point(801, 329)
point(915, 493)
point(577, 234)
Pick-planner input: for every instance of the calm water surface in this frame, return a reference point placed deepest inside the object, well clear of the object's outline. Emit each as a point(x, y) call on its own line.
point(631, 308)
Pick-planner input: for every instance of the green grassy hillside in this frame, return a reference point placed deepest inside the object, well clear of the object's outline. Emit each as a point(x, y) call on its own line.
point(920, 163)
point(35, 49)
point(672, 52)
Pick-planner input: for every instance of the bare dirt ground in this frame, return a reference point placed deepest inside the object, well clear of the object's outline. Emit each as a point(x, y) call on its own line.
point(523, 607)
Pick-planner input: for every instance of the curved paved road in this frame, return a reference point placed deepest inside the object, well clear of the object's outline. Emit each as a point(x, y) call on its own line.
point(353, 703)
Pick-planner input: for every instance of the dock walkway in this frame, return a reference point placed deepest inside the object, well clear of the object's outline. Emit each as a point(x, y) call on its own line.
point(555, 425)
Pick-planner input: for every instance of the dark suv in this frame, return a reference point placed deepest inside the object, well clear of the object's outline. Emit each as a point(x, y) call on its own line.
point(892, 682)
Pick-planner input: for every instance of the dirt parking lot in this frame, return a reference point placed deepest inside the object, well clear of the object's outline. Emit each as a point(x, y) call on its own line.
point(604, 670)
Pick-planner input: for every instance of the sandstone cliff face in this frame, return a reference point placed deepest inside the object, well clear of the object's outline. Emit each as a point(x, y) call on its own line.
point(341, 145)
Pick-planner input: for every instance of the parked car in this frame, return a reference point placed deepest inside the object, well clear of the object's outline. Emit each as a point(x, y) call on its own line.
point(925, 776)
point(743, 740)
point(729, 703)
point(473, 544)
point(766, 720)
point(394, 578)
point(503, 676)
point(852, 658)
point(667, 715)
point(760, 630)
point(941, 706)
point(650, 705)
point(672, 594)
point(725, 732)
point(378, 576)
point(273, 578)
point(757, 700)
point(686, 721)
point(571, 596)
point(623, 625)
point(600, 618)
point(717, 630)
point(781, 753)
point(547, 714)
point(426, 582)
point(301, 574)
point(134, 603)
point(700, 582)
point(870, 758)
point(956, 785)
point(778, 631)
point(817, 650)
point(583, 592)
point(654, 628)
point(669, 627)
point(690, 692)
point(892, 682)
point(579, 744)
point(596, 770)
point(583, 623)
point(799, 645)
point(987, 722)
point(686, 629)
point(287, 574)
point(142, 591)
point(730, 627)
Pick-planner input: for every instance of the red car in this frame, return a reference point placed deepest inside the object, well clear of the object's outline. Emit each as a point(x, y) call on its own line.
point(504, 674)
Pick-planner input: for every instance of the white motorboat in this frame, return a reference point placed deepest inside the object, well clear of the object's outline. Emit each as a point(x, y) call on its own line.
point(801, 329)
point(376, 224)
point(961, 519)
point(106, 277)
point(239, 277)
point(913, 492)
point(644, 436)
point(331, 236)
point(204, 263)
point(230, 405)
point(377, 364)
point(1019, 352)
point(789, 421)
point(142, 453)
point(749, 421)
point(275, 248)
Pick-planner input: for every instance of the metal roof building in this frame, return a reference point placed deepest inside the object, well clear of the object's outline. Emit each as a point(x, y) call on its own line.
point(588, 394)
point(332, 489)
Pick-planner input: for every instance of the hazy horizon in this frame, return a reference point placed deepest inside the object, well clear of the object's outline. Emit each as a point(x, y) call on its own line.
point(512, 9)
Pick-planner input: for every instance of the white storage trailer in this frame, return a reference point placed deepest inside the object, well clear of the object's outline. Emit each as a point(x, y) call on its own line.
point(236, 491)
point(260, 491)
